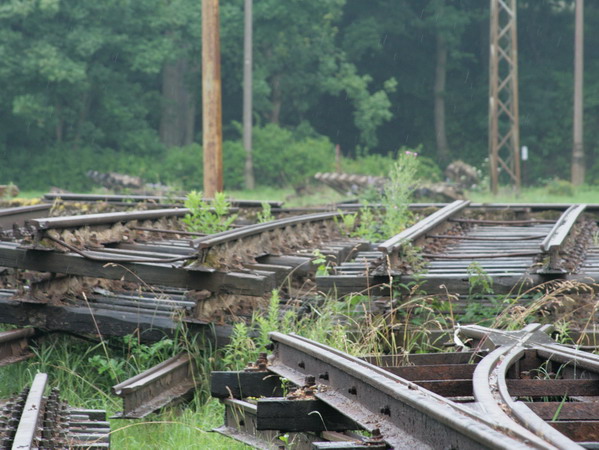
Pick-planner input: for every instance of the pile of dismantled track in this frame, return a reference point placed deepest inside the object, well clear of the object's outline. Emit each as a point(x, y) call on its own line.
point(509, 390)
point(454, 242)
point(141, 271)
point(33, 419)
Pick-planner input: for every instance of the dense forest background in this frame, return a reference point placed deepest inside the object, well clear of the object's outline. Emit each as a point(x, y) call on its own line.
point(114, 85)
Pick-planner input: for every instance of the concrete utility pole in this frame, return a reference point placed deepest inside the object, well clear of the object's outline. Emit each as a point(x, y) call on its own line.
point(247, 96)
point(578, 147)
point(212, 136)
point(504, 128)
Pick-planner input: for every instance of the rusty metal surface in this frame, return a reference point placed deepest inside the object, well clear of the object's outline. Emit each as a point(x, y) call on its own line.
point(508, 392)
point(36, 420)
point(14, 345)
point(556, 238)
point(426, 225)
point(260, 228)
point(165, 383)
point(67, 197)
point(406, 415)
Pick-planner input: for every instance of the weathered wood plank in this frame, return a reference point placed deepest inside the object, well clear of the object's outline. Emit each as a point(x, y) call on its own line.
point(567, 410)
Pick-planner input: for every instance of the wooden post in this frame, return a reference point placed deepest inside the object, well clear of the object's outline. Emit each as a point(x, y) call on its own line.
point(247, 96)
point(212, 137)
point(578, 147)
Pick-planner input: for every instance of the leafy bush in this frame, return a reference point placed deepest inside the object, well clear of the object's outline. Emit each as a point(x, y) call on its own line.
point(208, 217)
point(282, 159)
point(557, 186)
point(379, 165)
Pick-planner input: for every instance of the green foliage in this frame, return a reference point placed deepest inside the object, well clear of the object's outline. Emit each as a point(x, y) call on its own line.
point(265, 215)
point(395, 200)
point(559, 187)
point(478, 280)
point(321, 263)
point(282, 159)
point(136, 358)
point(208, 216)
point(347, 224)
point(398, 193)
point(378, 165)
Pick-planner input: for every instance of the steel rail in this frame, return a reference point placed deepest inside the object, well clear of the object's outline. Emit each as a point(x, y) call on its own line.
point(54, 223)
point(11, 255)
point(14, 345)
point(260, 228)
point(157, 387)
point(29, 424)
point(491, 392)
point(407, 415)
point(18, 215)
point(149, 198)
point(556, 238)
point(533, 343)
point(392, 247)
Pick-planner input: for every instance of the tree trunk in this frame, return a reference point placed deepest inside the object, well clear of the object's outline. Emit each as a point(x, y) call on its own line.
point(276, 99)
point(177, 120)
point(440, 75)
point(59, 124)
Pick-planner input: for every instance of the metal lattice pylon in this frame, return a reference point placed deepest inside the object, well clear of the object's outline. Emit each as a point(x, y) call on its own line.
point(504, 131)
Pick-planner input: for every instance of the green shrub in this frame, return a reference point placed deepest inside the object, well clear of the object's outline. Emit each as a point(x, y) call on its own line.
point(281, 159)
point(557, 186)
point(379, 165)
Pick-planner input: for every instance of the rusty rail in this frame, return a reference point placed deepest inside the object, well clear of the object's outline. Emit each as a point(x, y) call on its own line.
point(34, 420)
point(556, 238)
point(261, 228)
point(533, 392)
point(428, 224)
point(54, 223)
point(157, 387)
point(14, 345)
point(128, 199)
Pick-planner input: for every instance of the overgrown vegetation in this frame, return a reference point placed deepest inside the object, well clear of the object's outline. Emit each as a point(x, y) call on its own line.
point(394, 200)
point(208, 217)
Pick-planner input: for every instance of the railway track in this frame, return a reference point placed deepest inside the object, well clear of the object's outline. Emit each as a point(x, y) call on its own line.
point(454, 248)
point(35, 419)
point(140, 271)
point(511, 390)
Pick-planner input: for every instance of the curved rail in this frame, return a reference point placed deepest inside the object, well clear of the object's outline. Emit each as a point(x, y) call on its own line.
point(406, 415)
point(491, 392)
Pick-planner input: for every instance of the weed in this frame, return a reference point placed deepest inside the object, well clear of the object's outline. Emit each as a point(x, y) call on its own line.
point(321, 263)
point(347, 224)
point(205, 217)
point(266, 214)
point(479, 280)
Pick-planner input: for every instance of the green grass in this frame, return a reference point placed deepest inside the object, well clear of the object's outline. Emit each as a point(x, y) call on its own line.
point(538, 194)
